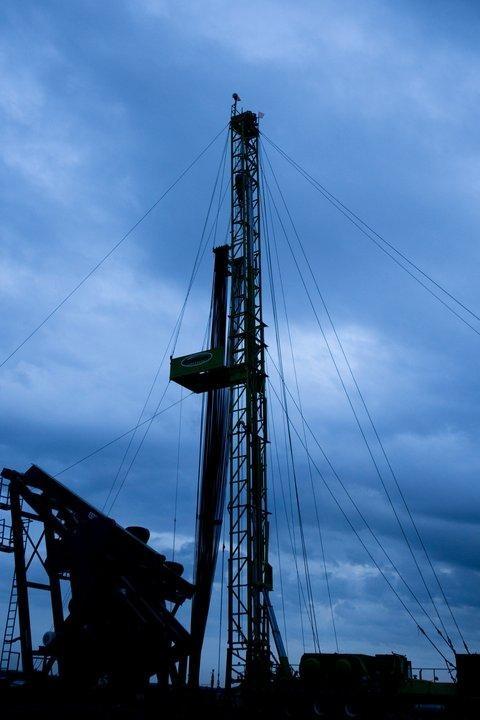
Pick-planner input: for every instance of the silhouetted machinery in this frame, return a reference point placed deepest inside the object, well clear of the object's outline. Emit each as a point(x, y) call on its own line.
point(120, 627)
point(355, 685)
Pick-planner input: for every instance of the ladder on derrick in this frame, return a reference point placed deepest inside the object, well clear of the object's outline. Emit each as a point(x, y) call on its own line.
point(6, 545)
point(9, 633)
point(6, 539)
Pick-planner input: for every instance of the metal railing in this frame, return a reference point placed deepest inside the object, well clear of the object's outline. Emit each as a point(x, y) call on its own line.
point(432, 674)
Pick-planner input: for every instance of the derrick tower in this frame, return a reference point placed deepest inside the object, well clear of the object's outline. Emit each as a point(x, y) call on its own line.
point(232, 373)
point(249, 574)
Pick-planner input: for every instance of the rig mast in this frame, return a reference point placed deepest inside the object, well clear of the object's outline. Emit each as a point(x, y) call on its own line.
point(249, 576)
point(239, 372)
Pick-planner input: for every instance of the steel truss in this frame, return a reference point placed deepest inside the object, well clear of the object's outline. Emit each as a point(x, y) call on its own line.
point(249, 579)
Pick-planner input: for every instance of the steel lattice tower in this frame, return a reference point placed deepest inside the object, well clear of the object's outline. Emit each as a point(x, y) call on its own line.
point(249, 578)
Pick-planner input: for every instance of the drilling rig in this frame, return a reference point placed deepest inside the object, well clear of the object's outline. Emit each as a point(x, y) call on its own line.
point(120, 626)
point(232, 373)
point(114, 578)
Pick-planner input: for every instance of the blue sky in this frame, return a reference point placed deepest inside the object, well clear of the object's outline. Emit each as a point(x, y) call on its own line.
point(102, 105)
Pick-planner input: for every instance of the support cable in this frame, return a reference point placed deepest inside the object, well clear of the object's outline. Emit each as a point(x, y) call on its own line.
point(140, 423)
point(111, 251)
point(135, 454)
point(124, 434)
point(177, 475)
point(308, 582)
point(312, 486)
point(300, 592)
point(372, 235)
point(174, 336)
point(279, 557)
point(380, 443)
point(289, 518)
point(352, 407)
point(203, 235)
point(200, 463)
point(202, 246)
point(111, 442)
point(221, 196)
point(449, 664)
point(358, 511)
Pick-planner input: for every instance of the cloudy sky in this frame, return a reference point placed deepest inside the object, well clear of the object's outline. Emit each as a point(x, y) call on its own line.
point(102, 107)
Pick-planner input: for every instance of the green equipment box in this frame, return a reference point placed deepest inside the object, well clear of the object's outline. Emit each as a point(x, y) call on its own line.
point(206, 370)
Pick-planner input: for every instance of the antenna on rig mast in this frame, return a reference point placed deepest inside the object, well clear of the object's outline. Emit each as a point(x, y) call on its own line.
point(236, 99)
